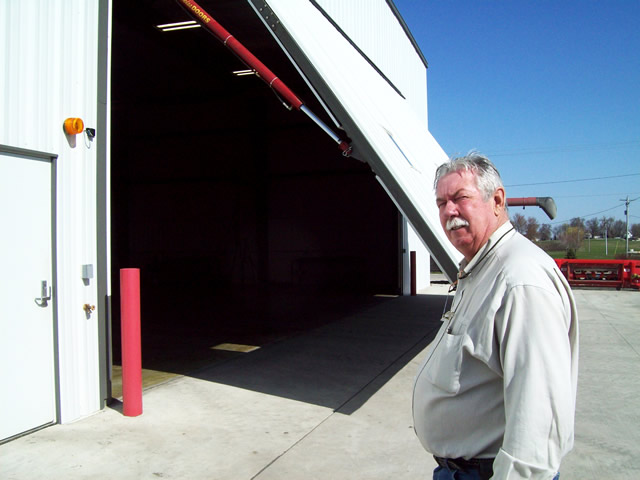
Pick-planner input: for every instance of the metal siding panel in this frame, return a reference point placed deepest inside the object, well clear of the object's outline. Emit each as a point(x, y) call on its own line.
point(49, 73)
point(377, 32)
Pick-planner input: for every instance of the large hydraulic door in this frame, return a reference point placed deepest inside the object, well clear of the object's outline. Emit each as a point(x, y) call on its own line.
point(27, 360)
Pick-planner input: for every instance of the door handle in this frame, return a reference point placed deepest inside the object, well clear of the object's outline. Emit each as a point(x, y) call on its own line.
point(45, 292)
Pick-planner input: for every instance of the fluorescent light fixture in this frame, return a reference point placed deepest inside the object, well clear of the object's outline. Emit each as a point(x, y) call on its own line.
point(169, 27)
point(243, 73)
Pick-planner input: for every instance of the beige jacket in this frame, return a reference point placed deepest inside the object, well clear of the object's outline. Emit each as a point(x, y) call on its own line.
point(500, 378)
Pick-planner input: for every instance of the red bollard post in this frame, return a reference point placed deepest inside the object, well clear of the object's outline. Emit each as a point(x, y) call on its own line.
point(131, 342)
point(414, 281)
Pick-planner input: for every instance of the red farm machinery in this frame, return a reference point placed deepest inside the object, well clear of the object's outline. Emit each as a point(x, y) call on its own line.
point(619, 273)
point(622, 273)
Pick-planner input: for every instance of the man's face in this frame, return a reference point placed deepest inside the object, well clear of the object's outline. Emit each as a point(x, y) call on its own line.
point(467, 219)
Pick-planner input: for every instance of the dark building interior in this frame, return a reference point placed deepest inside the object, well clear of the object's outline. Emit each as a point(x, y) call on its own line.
point(245, 219)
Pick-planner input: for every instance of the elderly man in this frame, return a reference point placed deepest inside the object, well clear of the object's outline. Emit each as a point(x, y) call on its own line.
point(495, 396)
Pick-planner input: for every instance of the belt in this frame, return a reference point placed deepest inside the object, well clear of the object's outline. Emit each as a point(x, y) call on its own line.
point(463, 465)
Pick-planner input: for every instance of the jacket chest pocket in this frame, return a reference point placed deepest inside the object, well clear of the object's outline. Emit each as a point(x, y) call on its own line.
point(443, 368)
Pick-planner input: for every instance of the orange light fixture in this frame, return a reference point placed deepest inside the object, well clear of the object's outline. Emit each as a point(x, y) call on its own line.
point(73, 126)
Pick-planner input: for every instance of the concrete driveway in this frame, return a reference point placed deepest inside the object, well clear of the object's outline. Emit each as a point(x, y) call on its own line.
point(333, 403)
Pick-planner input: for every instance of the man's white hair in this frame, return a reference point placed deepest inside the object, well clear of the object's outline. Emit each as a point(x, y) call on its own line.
point(486, 174)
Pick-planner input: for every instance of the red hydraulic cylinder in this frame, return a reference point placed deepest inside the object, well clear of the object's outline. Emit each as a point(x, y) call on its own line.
point(131, 342)
point(249, 59)
point(241, 51)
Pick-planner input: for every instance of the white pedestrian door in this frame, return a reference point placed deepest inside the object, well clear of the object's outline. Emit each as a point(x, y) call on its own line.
point(27, 366)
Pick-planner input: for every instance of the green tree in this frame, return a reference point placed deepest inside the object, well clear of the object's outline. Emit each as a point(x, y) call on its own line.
point(577, 222)
point(519, 223)
point(572, 238)
point(545, 232)
point(618, 229)
point(532, 228)
point(592, 226)
point(559, 230)
point(605, 226)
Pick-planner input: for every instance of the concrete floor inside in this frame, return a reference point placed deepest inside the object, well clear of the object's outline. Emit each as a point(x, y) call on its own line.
point(199, 330)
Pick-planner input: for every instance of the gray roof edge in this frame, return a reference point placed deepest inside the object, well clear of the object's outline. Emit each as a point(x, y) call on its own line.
point(405, 27)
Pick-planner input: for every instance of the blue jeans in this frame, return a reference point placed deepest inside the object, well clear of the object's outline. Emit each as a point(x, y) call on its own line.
point(441, 473)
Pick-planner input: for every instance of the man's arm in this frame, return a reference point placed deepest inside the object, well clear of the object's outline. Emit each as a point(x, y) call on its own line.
point(535, 353)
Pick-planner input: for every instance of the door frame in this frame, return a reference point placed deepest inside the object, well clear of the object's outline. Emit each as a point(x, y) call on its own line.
point(52, 158)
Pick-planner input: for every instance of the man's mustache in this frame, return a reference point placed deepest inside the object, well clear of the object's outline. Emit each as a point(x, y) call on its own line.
point(456, 222)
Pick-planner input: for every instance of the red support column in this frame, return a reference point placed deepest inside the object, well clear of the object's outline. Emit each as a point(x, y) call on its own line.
point(131, 342)
point(413, 273)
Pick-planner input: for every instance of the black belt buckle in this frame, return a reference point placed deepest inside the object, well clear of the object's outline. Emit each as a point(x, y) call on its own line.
point(455, 464)
point(451, 463)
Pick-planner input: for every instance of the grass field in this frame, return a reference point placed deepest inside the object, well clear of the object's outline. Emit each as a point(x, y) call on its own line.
point(595, 248)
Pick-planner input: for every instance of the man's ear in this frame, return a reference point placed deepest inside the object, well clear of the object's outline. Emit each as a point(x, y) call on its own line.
point(499, 201)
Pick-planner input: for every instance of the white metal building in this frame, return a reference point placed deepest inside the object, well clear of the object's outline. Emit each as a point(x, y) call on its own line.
point(195, 175)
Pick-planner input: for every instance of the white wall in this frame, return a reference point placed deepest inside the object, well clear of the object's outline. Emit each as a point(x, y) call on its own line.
point(372, 26)
point(48, 72)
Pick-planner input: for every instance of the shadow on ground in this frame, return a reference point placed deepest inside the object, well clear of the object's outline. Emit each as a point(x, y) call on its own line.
point(322, 349)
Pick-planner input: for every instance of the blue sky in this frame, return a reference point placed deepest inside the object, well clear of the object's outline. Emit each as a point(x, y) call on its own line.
point(549, 90)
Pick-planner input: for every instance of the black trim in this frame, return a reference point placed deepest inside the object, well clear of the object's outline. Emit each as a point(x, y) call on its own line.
point(405, 27)
point(355, 46)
